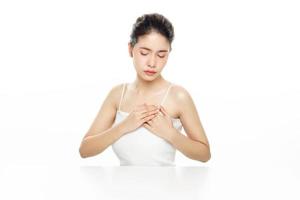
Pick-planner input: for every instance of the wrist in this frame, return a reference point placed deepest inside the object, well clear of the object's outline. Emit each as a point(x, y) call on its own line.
point(120, 129)
point(172, 135)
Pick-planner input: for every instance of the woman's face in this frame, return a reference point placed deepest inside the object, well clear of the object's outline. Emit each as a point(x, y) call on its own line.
point(150, 53)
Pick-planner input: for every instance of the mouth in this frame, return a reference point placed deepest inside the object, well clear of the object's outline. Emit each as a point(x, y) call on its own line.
point(150, 73)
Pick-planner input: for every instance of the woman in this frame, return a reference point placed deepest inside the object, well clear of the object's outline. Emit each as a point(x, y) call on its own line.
point(142, 120)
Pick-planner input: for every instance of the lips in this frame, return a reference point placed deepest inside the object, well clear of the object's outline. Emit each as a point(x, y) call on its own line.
point(149, 72)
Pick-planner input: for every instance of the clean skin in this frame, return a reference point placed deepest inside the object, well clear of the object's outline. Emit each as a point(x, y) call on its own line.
point(151, 52)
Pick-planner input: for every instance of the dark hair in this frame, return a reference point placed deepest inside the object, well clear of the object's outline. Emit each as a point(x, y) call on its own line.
point(147, 23)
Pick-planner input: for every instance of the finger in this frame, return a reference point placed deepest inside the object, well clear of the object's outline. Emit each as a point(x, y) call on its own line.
point(153, 106)
point(162, 109)
point(146, 114)
point(141, 108)
point(155, 111)
point(150, 121)
point(146, 125)
point(151, 117)
point(148, 110)
point(146, 119)
point(144, 108)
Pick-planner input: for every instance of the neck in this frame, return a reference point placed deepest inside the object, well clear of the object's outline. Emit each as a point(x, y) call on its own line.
point(143, 87)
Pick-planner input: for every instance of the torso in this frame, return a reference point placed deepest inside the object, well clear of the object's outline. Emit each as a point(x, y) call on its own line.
point(136, 147)
point(131, 99)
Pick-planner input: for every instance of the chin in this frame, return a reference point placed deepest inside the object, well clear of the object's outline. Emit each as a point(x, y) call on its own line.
point(145, 77)
point(148, 79)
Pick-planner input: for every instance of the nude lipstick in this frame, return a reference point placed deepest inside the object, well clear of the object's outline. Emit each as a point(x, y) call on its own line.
point(150, 72)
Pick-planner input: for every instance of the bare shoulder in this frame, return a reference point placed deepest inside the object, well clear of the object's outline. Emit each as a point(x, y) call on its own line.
point(179, 92)
point(115, 94)
point(188, 114)
point(180, 96)
point(106, 114)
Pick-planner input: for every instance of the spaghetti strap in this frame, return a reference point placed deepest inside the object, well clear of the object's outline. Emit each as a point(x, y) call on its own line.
point(166, 94)
point(124, 84)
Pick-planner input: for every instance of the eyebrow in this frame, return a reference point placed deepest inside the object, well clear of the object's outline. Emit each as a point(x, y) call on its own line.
point(151, 50)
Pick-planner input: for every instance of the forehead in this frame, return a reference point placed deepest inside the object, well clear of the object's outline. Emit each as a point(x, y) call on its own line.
point(153, 41)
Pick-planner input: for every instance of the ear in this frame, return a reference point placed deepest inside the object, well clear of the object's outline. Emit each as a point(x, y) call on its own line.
point(130, 49)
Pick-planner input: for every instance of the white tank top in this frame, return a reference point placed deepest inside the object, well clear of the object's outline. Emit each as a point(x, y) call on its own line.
point(142, 147)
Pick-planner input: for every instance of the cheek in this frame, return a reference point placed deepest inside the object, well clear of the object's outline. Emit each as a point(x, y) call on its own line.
point(162, 62)
point(140, 60)
point(138, 65)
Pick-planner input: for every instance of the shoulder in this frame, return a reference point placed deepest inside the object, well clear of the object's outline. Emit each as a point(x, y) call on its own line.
point(179, 93)
point(115, 93)
point(181, 96)
point(117, 89)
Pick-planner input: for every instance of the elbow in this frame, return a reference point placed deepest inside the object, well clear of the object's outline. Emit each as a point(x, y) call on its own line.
point(207, 154)
point(201, 157)
point(82, 152)
point(204, 157)
point(207, 158)
point(203, 153)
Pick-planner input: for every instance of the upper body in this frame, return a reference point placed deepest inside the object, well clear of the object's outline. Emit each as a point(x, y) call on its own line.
point(149, 48)
point(141, 146)
point(179, 105)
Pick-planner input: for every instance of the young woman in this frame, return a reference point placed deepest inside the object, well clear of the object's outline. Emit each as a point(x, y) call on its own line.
point(143, 120)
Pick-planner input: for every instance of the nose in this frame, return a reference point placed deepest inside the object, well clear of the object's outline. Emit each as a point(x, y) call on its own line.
point(152, 61)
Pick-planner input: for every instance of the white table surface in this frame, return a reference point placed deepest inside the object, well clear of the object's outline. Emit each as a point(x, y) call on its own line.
point(140, 182)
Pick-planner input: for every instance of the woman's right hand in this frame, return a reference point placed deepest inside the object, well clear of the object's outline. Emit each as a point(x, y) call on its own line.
point(140, 114)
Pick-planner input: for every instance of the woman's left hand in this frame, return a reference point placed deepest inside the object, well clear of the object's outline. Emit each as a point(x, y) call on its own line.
point(161, 125)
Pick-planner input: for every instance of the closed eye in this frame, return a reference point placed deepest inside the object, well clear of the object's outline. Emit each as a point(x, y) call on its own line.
point(144, 54)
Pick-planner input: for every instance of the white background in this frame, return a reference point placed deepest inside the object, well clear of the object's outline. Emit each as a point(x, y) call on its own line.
point(239, 60)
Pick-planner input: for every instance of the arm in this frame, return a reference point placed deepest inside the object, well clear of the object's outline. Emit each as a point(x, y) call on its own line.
point(195, 145)
point(101, 134)
point(95, 144)
point(193, 149)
